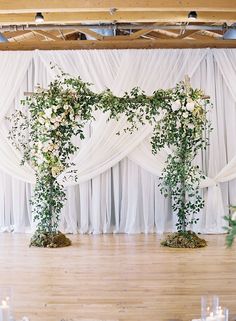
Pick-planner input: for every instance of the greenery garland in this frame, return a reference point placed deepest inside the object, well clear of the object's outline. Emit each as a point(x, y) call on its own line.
point(52, 117)
point(44, 132)
point(179, 120)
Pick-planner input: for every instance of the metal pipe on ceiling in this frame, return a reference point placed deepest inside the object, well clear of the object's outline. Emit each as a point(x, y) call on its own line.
point(113, 26)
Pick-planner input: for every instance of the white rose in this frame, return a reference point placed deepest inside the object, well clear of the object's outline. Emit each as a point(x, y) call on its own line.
point(162, 113)
point(190, 126)
point(66, 107)
point(185, 115)
point(178, 124)
point(176, 105)
point(56, 152)
point(190, 106)
point(58, 118)
point(53, 120)
point(48, 112)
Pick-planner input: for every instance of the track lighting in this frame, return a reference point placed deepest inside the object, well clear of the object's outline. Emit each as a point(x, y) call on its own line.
point(39, 18)
point(192, 15)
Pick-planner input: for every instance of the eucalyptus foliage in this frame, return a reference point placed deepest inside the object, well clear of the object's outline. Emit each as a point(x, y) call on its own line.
point(179, 120)
point(231, 228)
point(43, 132)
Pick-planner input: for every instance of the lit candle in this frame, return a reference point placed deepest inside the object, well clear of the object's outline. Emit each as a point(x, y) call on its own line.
point(220, 316)
point(4, 311)
point(211, 317)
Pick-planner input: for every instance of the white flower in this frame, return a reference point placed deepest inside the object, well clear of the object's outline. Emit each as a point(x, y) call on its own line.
point(161, 114)
point(233, 217)
point(66, 107)
point(190, 106)
point(47, 125)
point(56, 170)
point(58, 118)
point(176, 105)
point(54, 107)
point(178, 124)
point(56, 125)
point(185, 114)
point(40, 161)
point(48, 112)
point(56, 152)
point(190, 126)
point(53, 120)
point(41, 120)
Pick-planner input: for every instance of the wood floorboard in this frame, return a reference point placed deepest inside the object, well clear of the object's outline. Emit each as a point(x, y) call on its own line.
point(115, 277)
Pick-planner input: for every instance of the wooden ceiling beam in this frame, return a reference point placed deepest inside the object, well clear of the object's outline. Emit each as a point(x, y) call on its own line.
point(205, 36)
point(15, 34)
point(186, 34)
point(138, 34)
point(135, 44)
point(167, 33)
point(45, 34)
point(90, 33)
point(138, 16)
point(24, 6)
point(210, 34)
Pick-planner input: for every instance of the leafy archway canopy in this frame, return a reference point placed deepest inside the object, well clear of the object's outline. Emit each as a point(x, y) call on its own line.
point(43, 131)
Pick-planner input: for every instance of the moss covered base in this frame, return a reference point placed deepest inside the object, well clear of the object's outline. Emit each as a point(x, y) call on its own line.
point(53, 240)
point(186, 239)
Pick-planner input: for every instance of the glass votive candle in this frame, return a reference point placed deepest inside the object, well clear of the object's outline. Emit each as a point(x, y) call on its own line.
point(222, 314)
point(5, 304)
point(209, 307)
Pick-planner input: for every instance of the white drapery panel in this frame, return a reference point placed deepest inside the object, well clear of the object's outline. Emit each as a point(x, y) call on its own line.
point(124, 198)
point(13, 70)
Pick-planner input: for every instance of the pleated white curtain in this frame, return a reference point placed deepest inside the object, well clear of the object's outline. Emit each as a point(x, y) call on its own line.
point(118, 190)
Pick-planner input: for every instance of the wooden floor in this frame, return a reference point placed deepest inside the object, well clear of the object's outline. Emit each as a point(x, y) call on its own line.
point(115, 277)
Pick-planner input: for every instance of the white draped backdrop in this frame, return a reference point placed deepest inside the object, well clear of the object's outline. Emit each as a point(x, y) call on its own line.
point(118, 189)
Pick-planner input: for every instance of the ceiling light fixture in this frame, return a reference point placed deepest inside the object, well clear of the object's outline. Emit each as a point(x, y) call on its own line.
point(192, 15)
point(39, 18)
